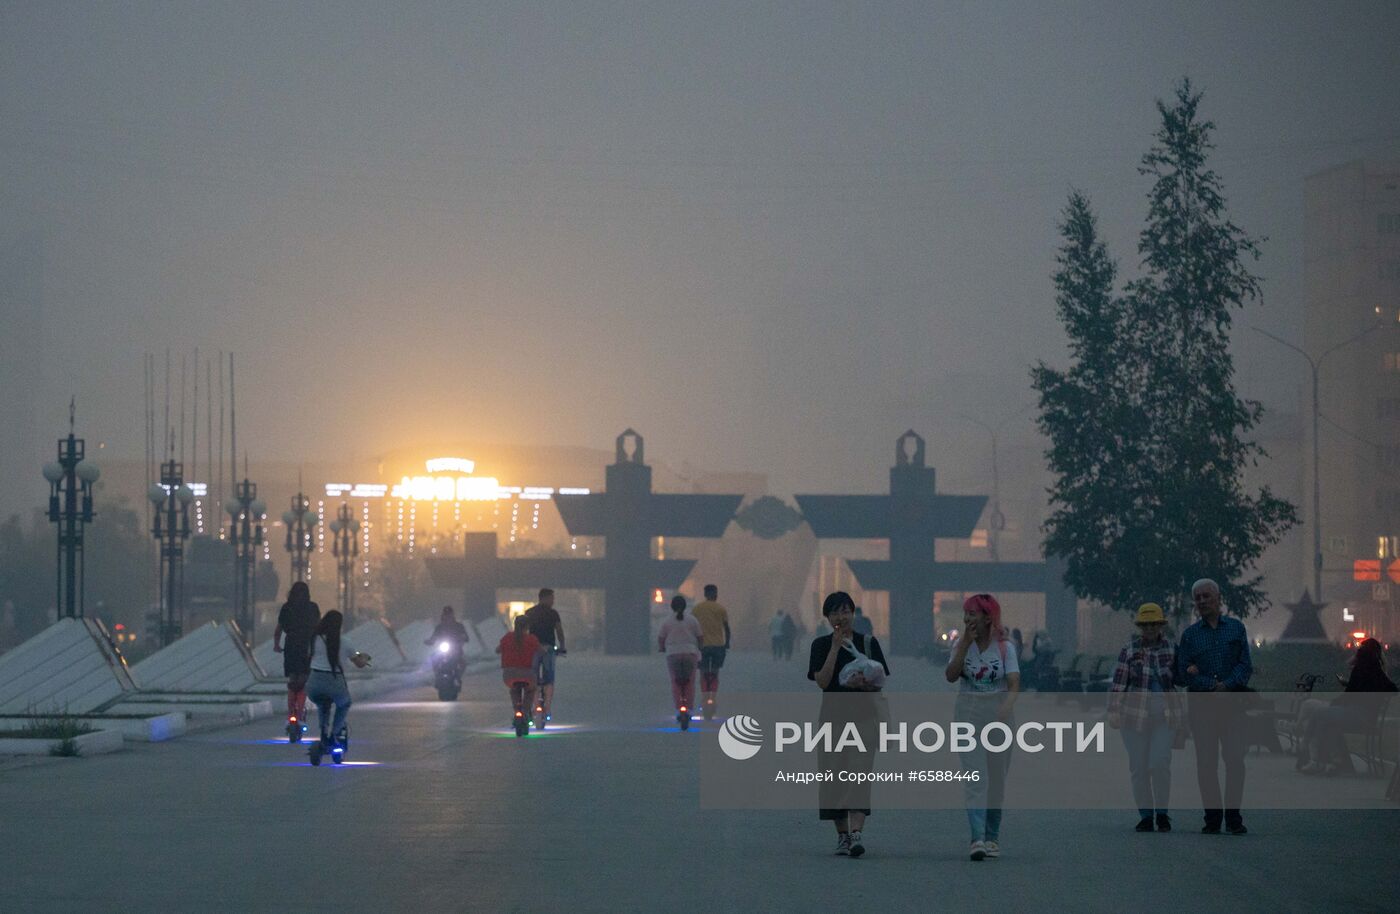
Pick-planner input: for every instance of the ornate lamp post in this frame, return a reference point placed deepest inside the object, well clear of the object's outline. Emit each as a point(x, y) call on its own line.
point(300, 520)
point(246, 513)
point(171, 527)
point(346, 548)
point(69, 481)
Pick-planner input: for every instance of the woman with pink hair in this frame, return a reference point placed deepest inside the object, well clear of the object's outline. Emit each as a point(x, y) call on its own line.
point(984, 665)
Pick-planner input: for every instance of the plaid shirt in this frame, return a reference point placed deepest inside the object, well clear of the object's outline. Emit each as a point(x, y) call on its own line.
point(1138, 665)
point(1220, 654)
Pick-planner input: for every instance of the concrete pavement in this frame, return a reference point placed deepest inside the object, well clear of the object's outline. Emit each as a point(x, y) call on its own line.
point(442, 810)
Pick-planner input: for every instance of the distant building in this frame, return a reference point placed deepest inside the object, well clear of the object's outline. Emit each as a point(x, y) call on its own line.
point(1351, 263)
point(23, 451)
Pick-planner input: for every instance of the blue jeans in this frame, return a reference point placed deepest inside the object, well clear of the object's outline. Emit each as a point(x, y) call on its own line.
point(544, 667)
point(1150, 766)
point(326, 689)
point(984, 796)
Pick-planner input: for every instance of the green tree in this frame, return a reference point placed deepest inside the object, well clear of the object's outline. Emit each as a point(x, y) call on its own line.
point(1148, 439)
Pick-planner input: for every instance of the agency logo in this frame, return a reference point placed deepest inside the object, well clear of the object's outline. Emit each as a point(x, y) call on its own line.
point(741, 737)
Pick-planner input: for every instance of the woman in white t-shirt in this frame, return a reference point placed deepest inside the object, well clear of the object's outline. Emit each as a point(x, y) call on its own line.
point(984, 665)
point(679, 639)
point(326, 686)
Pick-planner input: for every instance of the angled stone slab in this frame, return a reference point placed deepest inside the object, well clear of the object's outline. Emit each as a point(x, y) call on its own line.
point(212, 658)
point(488, 634)
point(378, 639)
point(268, 660)
point(70, 666)
point(411, 638)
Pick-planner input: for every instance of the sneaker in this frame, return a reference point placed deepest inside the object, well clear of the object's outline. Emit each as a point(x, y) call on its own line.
point(1313, 768)
point(857, 847)
point(1144, 824)
point(1210, 828)
point(1236, 828)
point(992, 848)
point(843, 844)
point(978, 850)
point(1164, 822)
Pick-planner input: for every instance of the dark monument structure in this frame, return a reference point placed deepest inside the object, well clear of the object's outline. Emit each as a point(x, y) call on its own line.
point(628, 514)
point(1304, 626)
point(912, 517)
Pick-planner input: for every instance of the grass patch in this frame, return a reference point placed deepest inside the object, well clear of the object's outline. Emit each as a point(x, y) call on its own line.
point(67, 748)
point(60, 726)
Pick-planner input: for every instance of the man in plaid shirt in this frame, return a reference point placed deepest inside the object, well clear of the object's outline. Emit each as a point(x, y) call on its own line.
point(1214, 657)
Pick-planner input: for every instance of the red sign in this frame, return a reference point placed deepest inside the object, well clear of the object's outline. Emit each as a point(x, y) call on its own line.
point(1394, 571)
point(1366, 570)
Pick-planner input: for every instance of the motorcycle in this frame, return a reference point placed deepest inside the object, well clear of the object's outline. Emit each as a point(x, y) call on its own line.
point(448, 666)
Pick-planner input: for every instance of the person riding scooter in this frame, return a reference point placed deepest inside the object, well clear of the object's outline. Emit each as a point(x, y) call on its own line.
point(449, 661)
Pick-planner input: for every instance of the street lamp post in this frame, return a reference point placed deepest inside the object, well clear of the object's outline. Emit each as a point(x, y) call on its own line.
point(70, 507)
point(1315, 364)
point(300, 520)
point(171, 527)
point(997, 521)
point(346, 548)
point(246, 514)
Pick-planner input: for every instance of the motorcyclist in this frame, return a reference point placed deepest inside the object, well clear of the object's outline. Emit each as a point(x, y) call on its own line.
point(450, 630)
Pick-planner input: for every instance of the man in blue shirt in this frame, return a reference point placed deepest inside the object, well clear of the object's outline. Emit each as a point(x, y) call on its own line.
point(1214, 658)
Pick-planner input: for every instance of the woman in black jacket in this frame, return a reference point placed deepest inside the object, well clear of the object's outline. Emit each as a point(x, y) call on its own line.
point(855, 701)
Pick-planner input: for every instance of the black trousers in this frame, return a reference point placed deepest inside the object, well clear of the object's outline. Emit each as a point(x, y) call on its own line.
point(1218, 732)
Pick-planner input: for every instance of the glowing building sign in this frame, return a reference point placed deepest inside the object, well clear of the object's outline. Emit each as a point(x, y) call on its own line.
point(444, 484)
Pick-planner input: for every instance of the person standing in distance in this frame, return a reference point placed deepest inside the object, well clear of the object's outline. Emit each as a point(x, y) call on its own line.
point(714, 624)
point(545, 625)
point(1213, 657)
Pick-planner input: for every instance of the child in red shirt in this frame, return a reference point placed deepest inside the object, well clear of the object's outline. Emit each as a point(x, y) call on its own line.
point(519, 652)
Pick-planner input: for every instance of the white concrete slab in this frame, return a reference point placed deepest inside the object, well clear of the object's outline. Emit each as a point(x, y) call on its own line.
point(489, 632)
point(98, 742)
point(377, 638)
point(133, 728)
point(71, 666)
point(411, 638)
point(212, 658)
point(197, 706)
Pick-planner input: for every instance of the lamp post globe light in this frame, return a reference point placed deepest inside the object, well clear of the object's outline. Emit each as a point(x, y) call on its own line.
point(300, 521)
point(345, 546)
point(70, 507)
point(246, 515)
point(171, 527)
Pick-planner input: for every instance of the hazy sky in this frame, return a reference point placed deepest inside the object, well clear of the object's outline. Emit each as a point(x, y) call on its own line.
point(770, 236)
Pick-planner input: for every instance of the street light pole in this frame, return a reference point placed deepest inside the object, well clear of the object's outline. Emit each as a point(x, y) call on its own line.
point(171, 527)
point(346, 548)
point(245, 530)
point(300, 520)
point(70, 508)
point(1314, 364)
point(998, 519)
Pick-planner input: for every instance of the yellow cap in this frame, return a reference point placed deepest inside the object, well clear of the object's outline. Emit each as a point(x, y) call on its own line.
point(1148, 613)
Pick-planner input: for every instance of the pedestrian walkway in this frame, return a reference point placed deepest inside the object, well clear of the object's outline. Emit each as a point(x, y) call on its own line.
point(430, 819)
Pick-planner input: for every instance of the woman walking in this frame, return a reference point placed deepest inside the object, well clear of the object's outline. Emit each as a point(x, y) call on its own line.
point(679, 639)
point(850, 669)
point(326, 686)
point(984, 665)
point(1144, 706)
